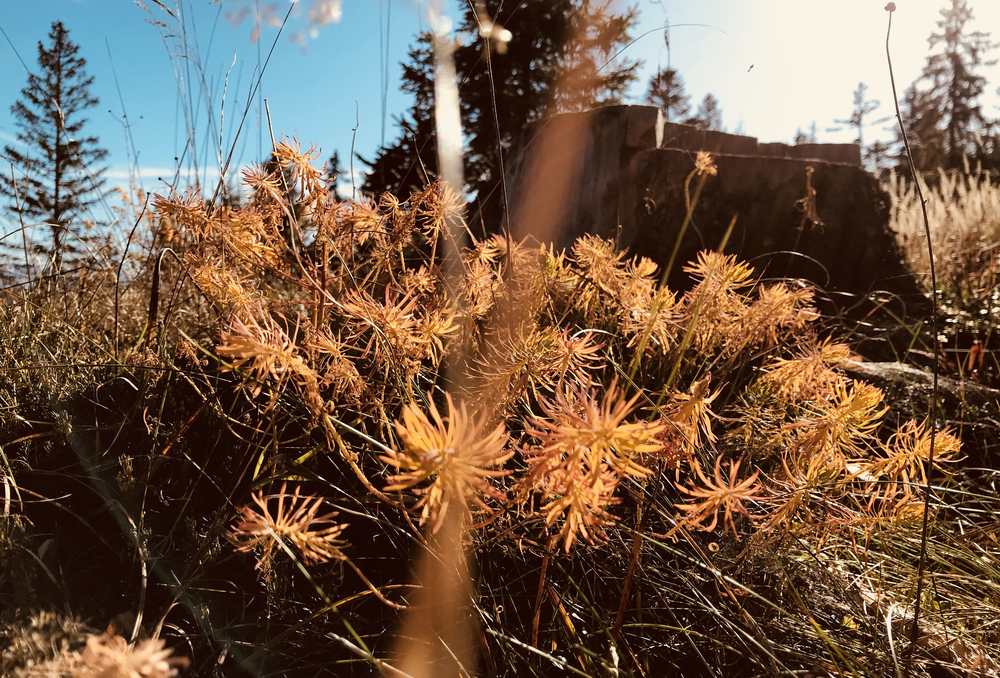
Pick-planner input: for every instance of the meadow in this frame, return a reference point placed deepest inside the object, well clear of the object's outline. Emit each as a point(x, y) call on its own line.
point(277, 431)
point(236, 452)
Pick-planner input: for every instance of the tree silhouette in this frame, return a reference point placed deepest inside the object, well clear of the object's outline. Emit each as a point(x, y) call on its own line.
point(540, 71)
point(666, 91)
point(877, 156)
point(945, 108)
point(397, 167)
point(57, 174)
point(709, 114)
point(863, 108)
point(335, 171)
point(924, 123)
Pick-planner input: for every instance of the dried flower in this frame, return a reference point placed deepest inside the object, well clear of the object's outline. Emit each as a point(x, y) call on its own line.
point(577, 357)
point(808, 376)
point(446, 461)
point(393, 331)
point(436, 327)
point(717, 302)
point(187, 211)
point(575, 419)
point(111, 656)
point(704, 165)
point(585, 447)
point(689, 416)
point(902, 462)
point(224, 285)
point(719, 273)
point(297, 520)
point(266, 185)
point(306, 180)
point(437, 208)
point(719, 494)
point(336, 372)
point(649, 318)
point(528, 362)
point(603, 269)
point(837, 430)
point(778, 311)
point(264, 351)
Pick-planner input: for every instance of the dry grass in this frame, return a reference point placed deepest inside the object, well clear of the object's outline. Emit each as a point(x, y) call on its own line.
point(964, 211)
point(692, 459)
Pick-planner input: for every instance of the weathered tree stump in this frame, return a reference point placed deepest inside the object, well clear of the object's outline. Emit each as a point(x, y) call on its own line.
point(628, 184)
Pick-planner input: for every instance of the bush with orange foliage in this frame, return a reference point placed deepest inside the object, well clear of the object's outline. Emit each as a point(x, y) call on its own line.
point(562, 405)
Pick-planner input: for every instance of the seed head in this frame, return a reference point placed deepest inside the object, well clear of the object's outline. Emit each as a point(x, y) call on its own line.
point(446, 461)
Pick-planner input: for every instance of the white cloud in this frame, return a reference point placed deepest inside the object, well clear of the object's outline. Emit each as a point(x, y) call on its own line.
point(325, 12)
point(344, 184)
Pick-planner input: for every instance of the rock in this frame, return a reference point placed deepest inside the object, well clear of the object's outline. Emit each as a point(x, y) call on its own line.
point(922, 380)
point(970, 408)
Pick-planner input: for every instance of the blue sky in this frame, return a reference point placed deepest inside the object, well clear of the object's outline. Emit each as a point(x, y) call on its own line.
point(776, 65)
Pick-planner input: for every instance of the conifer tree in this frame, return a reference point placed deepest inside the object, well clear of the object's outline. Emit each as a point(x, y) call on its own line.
point(862, 109)
point(666, 91)
point(335, 171)
point(397, 167)
point(709, 114)
point(924, 123)
point(58, 172)
point(944, 108)
point(806, 136)
point(877, 156)
point(540, 72)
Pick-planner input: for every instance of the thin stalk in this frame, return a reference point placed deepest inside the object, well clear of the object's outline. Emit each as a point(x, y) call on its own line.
point(691, 203)
point(932, 401)
point(121, 264)
point(536, 619)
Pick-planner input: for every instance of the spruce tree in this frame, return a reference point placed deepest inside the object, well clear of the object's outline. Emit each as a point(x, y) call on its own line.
point(335, 171)
point(397, 167)
point(709, 114)
point(877, 156)
point(945, 107)
point(862, 109)
point(666, 91)
point(58, 173)
point(806, 136)
point(542, 71)
point(923, 126)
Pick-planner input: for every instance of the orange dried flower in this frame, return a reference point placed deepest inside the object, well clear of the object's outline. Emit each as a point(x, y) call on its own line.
point(808, 376)
point(110, 655)
point(575, 419)
point(838, 429)
point(689, 416)
point(305, 178)
point(718, 300)
point(902, 463)
point(262, 349)
point(297, 520)
point(719, 494)
point(394, 333)
point(704, 165)
point(447, 461)
point(585, 447)
point(187, 211)
point(777, 311)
